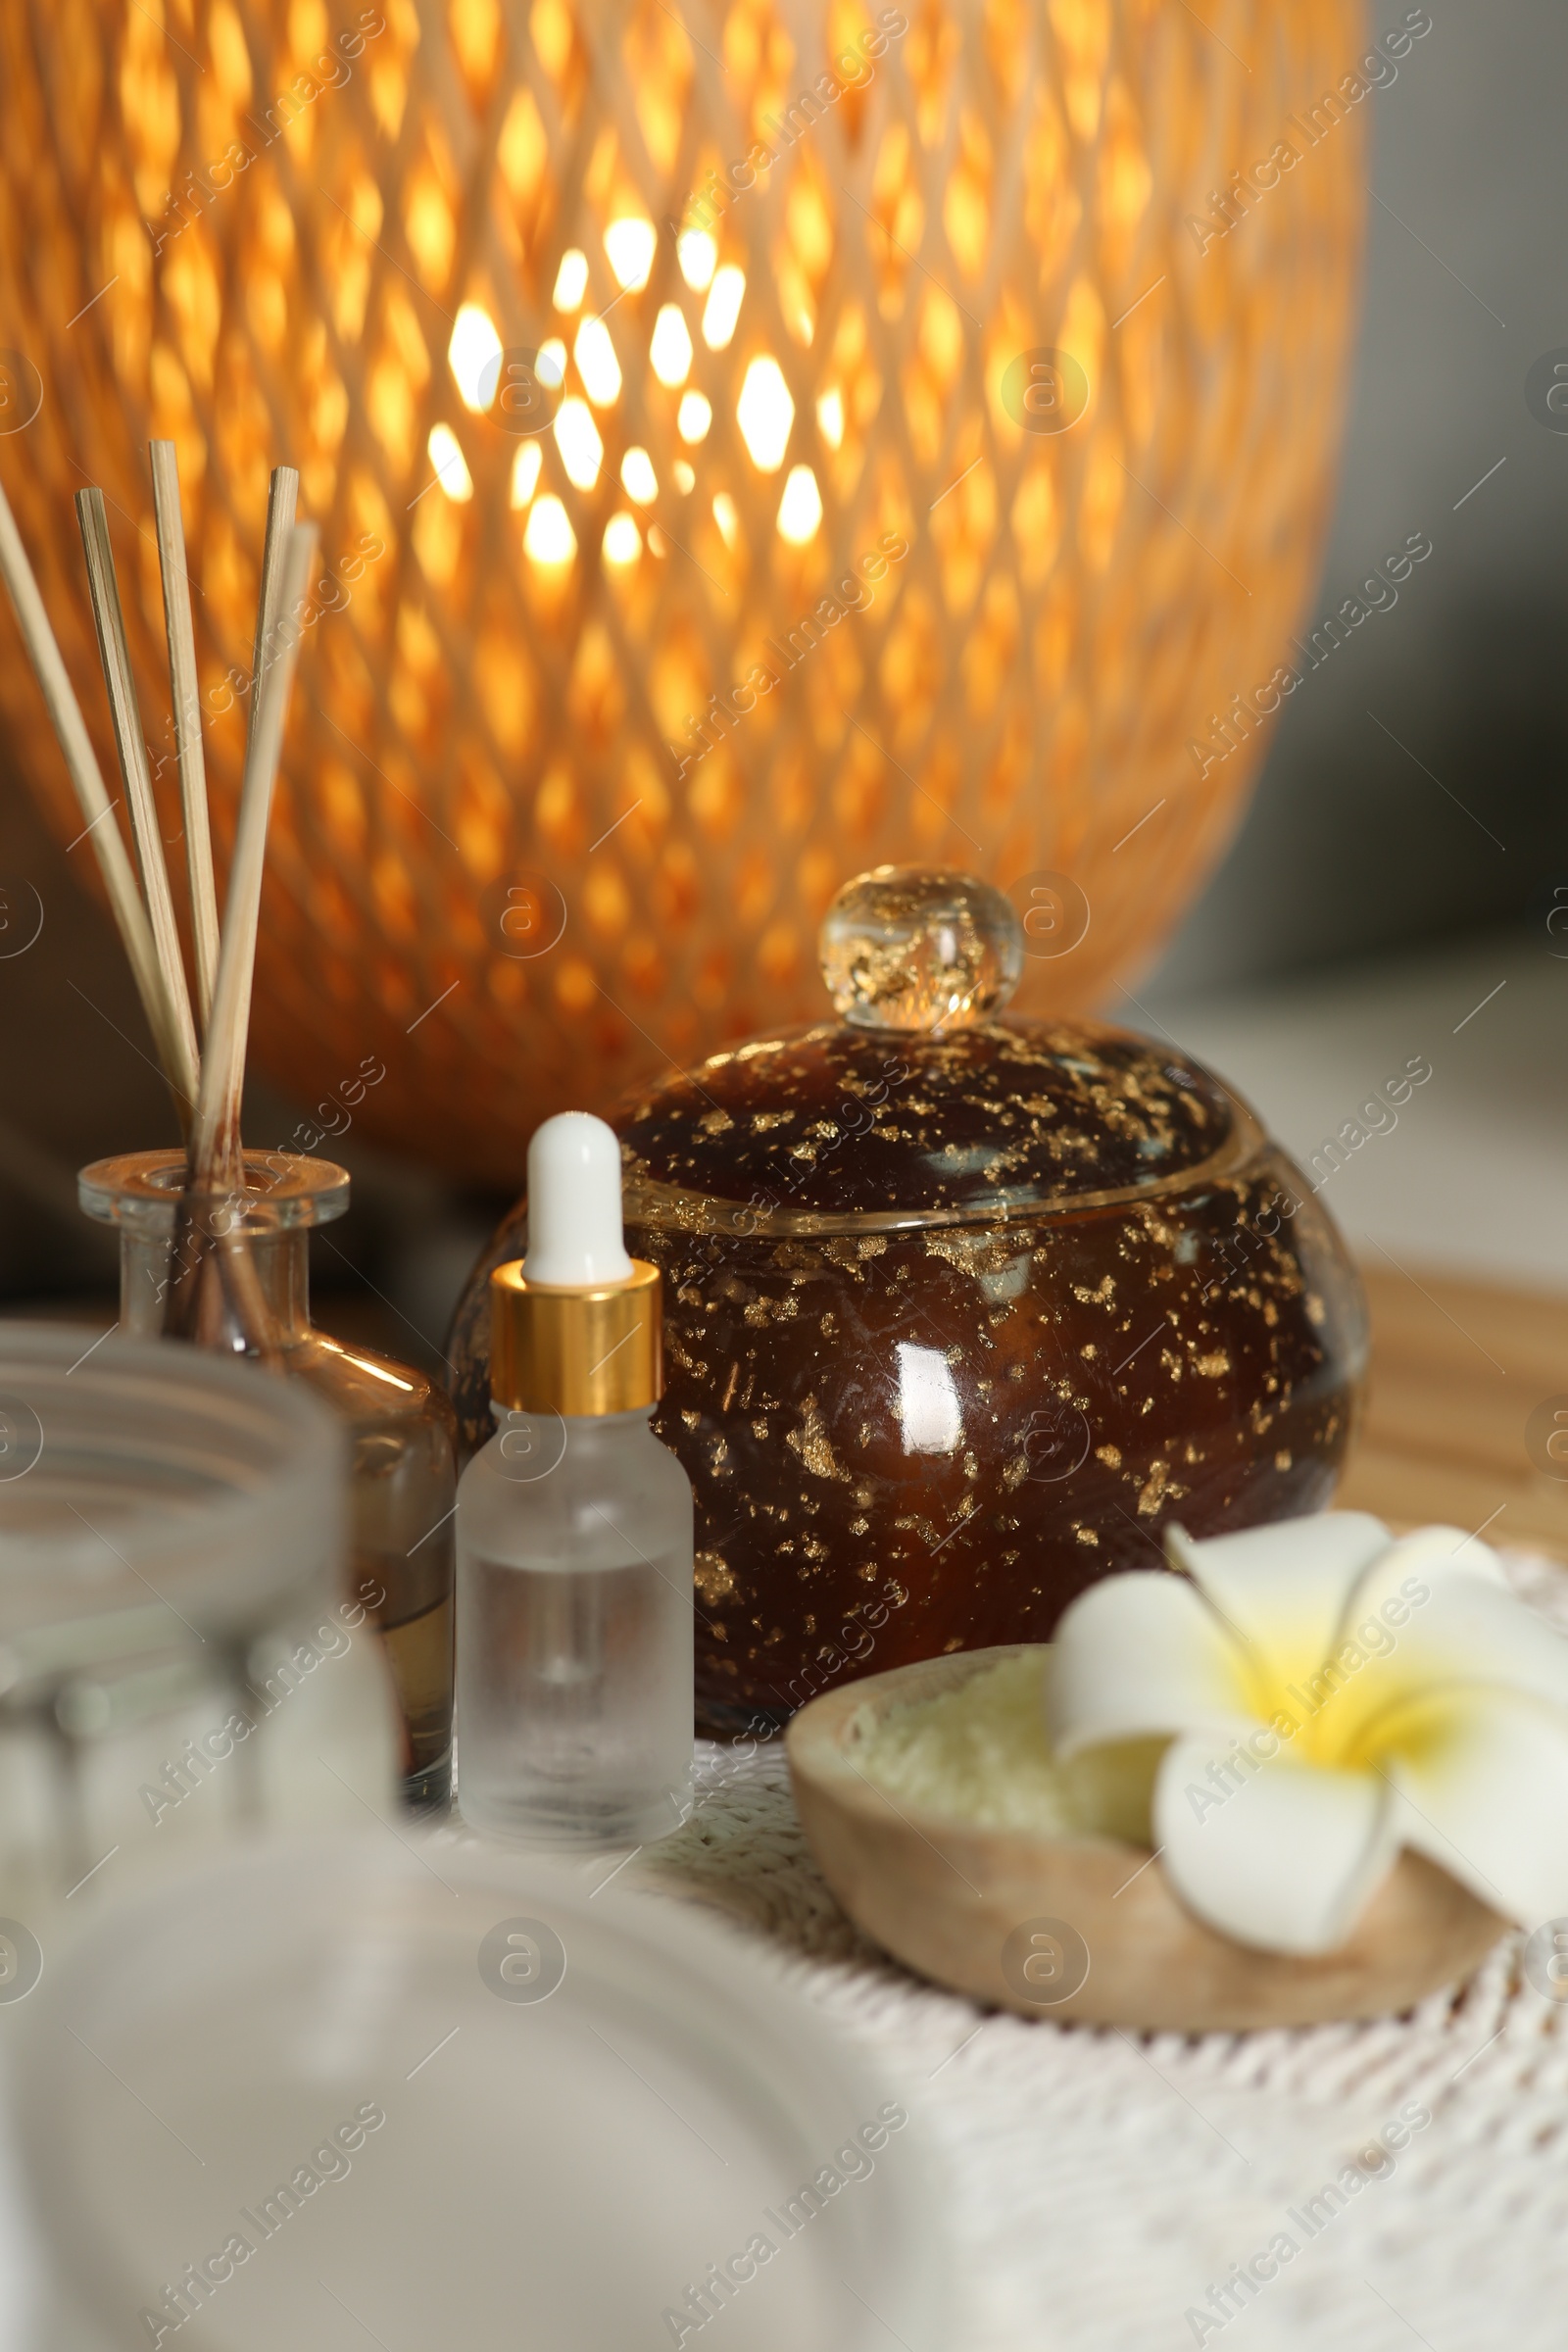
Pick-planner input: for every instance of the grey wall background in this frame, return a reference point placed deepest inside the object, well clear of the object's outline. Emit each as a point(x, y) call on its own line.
point(1349, 849)
point(1354, 849)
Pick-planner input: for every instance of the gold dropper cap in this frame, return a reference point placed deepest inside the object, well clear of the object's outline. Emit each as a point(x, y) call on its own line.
point(555, 1349)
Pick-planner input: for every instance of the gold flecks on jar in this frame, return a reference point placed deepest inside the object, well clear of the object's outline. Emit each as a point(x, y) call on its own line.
point(810, 1442)
point(713, 1578)
point(1152, 1493)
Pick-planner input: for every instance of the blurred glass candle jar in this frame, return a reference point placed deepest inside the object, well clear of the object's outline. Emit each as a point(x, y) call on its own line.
point(960, 1310)
point(175, 1659)
point(403, 1473)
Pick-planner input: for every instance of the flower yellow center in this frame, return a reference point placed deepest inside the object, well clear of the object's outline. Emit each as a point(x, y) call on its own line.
point(1342, 1712)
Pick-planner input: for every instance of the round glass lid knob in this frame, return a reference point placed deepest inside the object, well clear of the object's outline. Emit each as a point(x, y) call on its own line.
point(919, 948)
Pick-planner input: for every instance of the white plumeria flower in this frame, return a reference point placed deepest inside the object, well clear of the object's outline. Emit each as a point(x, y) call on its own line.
point(1329, 1695)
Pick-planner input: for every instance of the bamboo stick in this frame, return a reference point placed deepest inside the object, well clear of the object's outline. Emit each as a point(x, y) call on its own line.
point(185, 695)
point(218, 1288)
point(215, 1135)
point(92, 799)
point(114, 654)
point(283, 501)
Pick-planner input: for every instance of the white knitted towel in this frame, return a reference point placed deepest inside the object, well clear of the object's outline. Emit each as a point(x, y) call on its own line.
point(1100, 2183)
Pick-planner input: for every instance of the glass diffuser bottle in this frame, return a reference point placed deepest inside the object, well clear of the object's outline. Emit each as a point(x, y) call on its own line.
point(231, 1271)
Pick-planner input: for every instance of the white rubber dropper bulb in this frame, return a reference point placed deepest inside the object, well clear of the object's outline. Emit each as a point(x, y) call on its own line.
point(575, 1230)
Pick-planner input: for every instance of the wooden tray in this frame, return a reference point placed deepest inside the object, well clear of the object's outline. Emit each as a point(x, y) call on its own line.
point(1457, 1368)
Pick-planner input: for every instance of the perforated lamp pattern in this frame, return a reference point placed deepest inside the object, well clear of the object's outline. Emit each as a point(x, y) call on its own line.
point(492, 754)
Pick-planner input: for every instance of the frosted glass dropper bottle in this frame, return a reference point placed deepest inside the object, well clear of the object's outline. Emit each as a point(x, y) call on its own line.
point(574, 1532)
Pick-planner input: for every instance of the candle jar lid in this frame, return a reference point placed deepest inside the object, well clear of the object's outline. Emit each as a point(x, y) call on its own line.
point(138, 1478)
point(919, 1105)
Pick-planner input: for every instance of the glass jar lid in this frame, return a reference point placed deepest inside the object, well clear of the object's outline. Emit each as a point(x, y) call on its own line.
point(140, 1480)
point(918, 1106)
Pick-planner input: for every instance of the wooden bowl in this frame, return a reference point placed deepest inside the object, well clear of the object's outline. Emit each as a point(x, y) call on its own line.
point(1074, 1928)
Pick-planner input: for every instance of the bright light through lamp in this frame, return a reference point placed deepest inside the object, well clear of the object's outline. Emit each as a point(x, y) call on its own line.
point(533, 608)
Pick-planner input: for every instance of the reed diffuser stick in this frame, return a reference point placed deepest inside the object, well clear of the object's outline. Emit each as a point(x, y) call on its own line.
point(214, 1137)
point(282, 505)
point(92, 799)
point(185, 694)
point(114, 654)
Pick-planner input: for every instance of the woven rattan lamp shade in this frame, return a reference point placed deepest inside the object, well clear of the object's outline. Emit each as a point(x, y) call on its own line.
point(512, 643)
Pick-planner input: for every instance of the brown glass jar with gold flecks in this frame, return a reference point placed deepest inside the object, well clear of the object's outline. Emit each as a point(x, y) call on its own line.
point(961, 1311)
